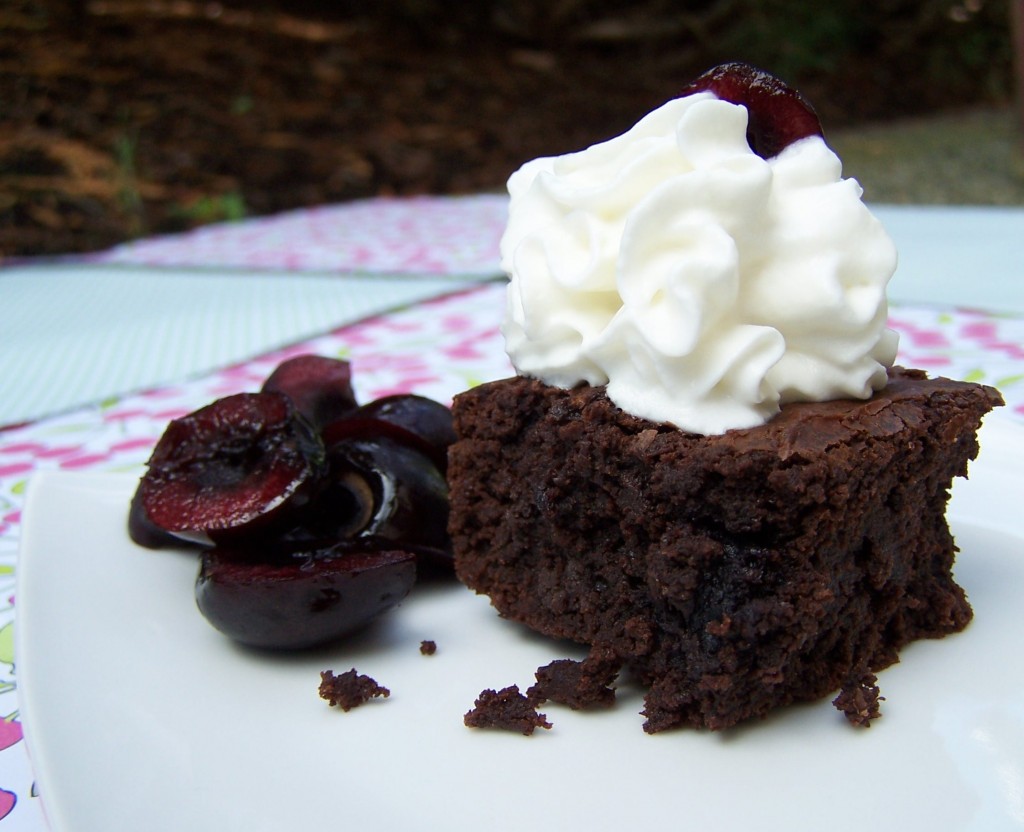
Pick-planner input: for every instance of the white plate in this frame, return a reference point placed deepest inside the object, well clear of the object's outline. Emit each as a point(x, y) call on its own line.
point(140, 717)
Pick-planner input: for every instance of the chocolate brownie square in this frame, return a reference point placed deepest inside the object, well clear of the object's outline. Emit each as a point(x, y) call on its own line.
point(731, 574)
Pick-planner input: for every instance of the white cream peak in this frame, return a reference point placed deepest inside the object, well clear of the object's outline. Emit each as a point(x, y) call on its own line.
point(704, 285)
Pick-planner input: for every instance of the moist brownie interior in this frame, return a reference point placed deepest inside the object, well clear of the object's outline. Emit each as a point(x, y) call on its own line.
point(731, 574)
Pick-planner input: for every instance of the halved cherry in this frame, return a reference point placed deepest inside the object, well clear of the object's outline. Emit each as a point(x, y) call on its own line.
point(144, 531)
point(300, 595)
point(319, 386)
point(427, 420)
point(778, 115)
point(231, 468)
point(382, 490)
point(321, 515)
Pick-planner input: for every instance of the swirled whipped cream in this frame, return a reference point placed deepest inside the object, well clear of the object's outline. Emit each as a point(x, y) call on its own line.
point(703, 284)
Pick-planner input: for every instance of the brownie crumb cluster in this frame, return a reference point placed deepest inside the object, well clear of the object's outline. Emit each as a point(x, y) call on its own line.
point(580, 685)
point(507, 709)
point(859, 700)
point(350, 689)
point(428, 648)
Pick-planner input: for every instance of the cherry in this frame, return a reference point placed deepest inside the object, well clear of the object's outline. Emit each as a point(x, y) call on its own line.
point(321, 514)
point(382, 492)
point(232, 467)
point(301, 595)
point(410, 494)
point(319, 386)
point(416, 421)
point(355, 551)
point(428, 419)
point(777, 114)
point(144, 531)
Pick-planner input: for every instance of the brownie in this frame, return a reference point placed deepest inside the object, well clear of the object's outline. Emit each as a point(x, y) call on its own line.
point(859, 700)
point(349, 690)
point(506, 709)
point(582, 685)
point(730, 574)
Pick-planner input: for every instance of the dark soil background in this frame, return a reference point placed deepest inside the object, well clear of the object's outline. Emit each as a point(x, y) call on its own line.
point(120, 118)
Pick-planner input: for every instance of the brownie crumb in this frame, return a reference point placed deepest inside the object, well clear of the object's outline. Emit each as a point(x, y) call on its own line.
point(859, 699)
point(580, 685)
point(506, 709)
point(428, 648)
point(350, 689)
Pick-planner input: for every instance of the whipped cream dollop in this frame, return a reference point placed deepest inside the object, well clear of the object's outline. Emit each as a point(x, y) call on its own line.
point(704, 285)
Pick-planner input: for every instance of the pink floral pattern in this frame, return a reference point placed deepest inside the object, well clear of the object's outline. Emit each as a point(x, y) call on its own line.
point(422, 235)
point(436, 348)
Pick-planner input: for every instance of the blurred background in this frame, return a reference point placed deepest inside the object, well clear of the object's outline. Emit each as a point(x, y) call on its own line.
point(123, 118)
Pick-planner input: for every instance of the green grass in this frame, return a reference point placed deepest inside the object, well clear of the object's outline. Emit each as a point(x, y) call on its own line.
point(969, 158)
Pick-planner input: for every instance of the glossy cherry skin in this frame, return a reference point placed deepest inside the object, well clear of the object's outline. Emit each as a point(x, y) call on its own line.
point(231, 468)
point(383, 492)
point(321, 515)
point(143, 531)
point(777, 114)
point(426, 419)
point(306, 595)
point(319, 386)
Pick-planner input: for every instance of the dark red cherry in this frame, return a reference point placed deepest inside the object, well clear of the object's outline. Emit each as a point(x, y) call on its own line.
point(777, 114)
point(321, 514)
point(425, 418)
point(231, 468)
point(144, 531)
point(414, 421)
point(320, 387)
point(301, 595)
point(384, 493)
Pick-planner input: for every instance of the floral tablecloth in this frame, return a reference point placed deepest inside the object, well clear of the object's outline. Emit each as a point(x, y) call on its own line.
point(436, 348)
point(422, 235)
